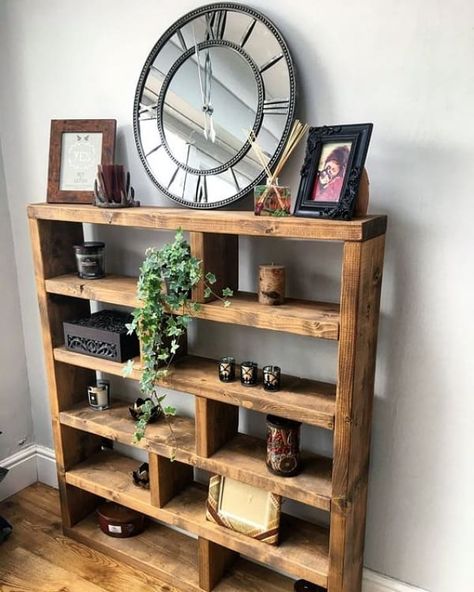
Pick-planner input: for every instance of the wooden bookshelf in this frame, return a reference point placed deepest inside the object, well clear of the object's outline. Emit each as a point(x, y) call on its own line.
point(210, 557)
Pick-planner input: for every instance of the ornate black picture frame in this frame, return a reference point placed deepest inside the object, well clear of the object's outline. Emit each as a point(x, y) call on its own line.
point(331, 172)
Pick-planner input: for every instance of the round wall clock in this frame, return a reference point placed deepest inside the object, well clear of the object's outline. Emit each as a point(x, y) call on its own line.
point(219, 73)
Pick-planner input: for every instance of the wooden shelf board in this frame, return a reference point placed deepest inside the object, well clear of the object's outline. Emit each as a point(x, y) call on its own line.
point(302, 552)
point(173, 557)
point(309, 401)
point(242, 458)
point(214, 221)
point(301, 317)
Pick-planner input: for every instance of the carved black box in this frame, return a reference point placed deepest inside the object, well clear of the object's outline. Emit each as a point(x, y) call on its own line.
point(103, 335)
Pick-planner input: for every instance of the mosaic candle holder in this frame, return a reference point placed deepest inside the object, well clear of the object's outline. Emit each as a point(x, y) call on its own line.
point(249, 373)
point(283, 446)
point(227, 369)
point(272, 378)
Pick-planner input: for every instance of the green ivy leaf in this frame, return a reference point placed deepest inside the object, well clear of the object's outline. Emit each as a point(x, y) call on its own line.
point(207, 292)
point(128, 368)
point(210, 278)
point(227, 293)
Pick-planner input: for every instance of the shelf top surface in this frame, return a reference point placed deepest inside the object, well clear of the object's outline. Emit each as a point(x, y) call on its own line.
point(220, 222)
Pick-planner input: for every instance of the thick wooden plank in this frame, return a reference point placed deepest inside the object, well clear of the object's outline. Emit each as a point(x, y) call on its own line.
point(303, 548)
point(300, 317)
point(167, 478)
point(214, 562)
point(360, 301)
point(219, 254)
point(216, 424)
point(53, 255)
point(242, 457)
point(223, 222)
point(309, 401)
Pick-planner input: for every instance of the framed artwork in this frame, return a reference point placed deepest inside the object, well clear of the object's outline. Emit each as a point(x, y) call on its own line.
point(332, 169)
point(76, 147)
point(244, 508)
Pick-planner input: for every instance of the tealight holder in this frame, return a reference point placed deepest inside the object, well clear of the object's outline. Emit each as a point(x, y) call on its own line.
point(249, 373)
point(141, 477)
point(99, 395)
point(271, 378)
point(227, 369)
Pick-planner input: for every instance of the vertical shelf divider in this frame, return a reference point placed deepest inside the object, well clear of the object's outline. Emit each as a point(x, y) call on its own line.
point(216, 424)
point(214, 560)
point(167, 478)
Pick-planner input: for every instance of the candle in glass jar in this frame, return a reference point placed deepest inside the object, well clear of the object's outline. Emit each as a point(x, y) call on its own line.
point(227, 369)
point(271, 284)
point(248, 373)
point(99, 396)
point(271, 378)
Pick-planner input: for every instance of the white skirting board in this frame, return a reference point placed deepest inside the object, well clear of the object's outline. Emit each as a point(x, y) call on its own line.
point(34, 463)
point(38, 463)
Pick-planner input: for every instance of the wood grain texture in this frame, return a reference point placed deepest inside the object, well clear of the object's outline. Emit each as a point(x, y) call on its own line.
point(303, 548)
point(53, 255)
point(219, 254)
point(300, 317)
point(214, 562)
point(215, 221)
point(37, 530)
point(360, 302)
point(167, 478)
point(309, 401)
point(241, 457)
point(216, 424)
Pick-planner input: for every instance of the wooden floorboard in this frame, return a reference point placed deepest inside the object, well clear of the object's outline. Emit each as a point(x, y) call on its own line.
point(39, 558)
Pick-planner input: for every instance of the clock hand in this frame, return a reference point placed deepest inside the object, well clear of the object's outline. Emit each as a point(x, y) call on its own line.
point(207, 97)
point(201, 85)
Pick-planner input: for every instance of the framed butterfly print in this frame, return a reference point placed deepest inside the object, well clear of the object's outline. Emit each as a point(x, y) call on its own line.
point(77, 147)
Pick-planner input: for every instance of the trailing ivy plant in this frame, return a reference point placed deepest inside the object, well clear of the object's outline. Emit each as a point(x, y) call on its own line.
point(166, 279)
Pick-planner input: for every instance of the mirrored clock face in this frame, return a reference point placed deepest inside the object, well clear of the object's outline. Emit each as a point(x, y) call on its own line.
point(217, 74)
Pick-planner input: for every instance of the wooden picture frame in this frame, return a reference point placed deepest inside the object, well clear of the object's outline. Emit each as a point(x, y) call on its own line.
point(244, 508)
point(77, 147)
point(332, 169)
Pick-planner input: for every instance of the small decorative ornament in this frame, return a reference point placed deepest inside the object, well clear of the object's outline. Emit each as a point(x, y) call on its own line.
point(249, 373)
point(118, 521)
point(136, 411)
point(99, 395)
point(283, 446)
point(304, 586)
point(271, 284)
point(227, 369)
point(90, 260)
point(141, 476)
point(271, 378)
point(112, 188)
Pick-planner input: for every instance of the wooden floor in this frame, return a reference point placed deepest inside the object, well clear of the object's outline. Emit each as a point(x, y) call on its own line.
point(38, 558)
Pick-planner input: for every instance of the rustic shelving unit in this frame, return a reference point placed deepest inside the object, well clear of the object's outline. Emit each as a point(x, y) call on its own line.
point(215, 560)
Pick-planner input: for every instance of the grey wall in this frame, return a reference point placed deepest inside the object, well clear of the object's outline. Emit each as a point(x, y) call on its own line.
point(406, 66)
point(15, 411)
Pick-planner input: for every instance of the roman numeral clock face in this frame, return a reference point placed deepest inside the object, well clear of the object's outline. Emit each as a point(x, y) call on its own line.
point(219, 73)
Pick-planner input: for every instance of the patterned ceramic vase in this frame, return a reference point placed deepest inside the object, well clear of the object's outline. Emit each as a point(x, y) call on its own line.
point(283, 446)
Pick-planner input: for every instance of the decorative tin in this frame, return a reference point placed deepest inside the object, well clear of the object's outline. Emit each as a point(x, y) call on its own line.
point(283, 446)
point(90, 260)
point(248, 373)
point(103, 334)
point(99, 395)
point(117, 521)
point(271, 378)
point(227, 369)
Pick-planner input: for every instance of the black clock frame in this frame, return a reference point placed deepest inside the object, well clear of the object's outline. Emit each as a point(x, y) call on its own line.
point(226, 6)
